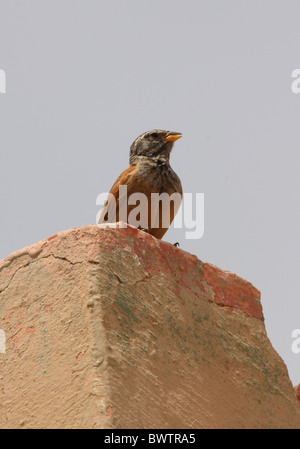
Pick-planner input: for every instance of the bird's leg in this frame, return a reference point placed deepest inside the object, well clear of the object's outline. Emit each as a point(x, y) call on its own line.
point(119, 224)
point(143, 229)
point(176, 244)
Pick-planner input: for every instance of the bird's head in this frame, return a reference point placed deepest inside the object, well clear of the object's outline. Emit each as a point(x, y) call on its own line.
point(154, 144)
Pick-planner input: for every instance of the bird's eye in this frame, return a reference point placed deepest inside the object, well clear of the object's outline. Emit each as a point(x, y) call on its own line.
point(154, 135)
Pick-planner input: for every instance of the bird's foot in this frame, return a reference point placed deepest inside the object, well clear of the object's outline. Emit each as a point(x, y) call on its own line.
point(144, 229)
point(176, 244)
point(119, 224)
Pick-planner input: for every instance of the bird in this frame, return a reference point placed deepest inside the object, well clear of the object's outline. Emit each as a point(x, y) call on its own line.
point(149, 180)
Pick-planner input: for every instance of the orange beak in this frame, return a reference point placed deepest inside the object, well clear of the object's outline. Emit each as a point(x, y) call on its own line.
point(171, 137)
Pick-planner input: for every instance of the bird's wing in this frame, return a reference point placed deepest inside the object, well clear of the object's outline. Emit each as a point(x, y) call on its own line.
point(112, 207)
point(157, 213)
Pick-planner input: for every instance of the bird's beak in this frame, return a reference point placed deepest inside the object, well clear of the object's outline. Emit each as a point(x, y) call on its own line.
point(171, 137)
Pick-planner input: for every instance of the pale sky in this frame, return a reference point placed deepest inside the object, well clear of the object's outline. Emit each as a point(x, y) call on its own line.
point(85, 78)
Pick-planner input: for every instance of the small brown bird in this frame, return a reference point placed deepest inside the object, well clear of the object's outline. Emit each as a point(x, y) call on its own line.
point(149, 173)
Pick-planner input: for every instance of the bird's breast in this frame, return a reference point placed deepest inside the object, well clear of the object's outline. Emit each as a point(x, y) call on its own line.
point(160, 177)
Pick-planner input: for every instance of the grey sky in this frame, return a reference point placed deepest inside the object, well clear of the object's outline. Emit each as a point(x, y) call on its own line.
point(85, 78)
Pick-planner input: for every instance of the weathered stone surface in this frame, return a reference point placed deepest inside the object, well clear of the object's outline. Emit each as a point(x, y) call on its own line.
point(111, 328)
